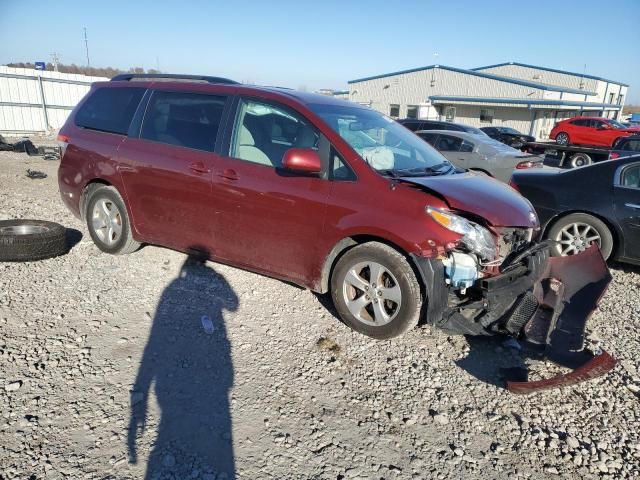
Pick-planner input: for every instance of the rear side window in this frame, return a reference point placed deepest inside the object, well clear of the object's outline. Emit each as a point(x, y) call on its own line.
point(581, 122)
point(109, 109)
point(447, 143)
point(183, 119)
point(631, 145)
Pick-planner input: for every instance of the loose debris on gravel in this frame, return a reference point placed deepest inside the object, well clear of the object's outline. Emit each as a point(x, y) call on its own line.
point(104, 360)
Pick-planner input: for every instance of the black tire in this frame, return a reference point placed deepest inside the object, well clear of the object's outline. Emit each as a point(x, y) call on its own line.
point(124, 243)
point(29, 240)
point(606, 238)
point(563, 139)
point(578, 160)
point(406, 313)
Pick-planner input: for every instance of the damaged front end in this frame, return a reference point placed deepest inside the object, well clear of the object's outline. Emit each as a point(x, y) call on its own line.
point(525, 293)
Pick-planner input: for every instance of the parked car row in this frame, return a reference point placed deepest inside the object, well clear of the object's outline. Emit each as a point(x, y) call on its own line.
point(608, 217)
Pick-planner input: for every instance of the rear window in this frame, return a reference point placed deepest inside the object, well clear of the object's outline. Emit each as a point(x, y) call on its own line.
point(109, 109)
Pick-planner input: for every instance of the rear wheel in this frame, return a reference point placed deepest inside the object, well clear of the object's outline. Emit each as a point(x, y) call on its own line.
point(108, 222)
point(577, 232)
point(376, 292)
point(562, 139)
point(580, 160)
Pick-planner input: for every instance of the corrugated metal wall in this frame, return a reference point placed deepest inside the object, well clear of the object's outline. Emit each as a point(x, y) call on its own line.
point(37, 101)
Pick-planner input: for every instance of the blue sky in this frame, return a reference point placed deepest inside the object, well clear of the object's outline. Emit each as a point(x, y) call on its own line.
point(325, 43)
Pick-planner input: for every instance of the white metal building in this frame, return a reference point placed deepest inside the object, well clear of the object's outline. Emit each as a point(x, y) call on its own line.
point(37, 101)
point(526, 97)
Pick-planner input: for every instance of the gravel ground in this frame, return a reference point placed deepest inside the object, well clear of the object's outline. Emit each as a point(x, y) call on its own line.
point(107, 372)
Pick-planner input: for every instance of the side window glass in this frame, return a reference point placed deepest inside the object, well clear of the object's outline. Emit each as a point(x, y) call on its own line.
point(466, 146)
point(631, 177)
point(340, 171)
point(109, 109)
point(263, 133)
point(632, 145)
point(429, 138)
point(183, 119)
point(447, 143)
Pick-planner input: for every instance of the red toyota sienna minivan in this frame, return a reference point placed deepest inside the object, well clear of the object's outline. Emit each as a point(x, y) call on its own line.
point(324, 193)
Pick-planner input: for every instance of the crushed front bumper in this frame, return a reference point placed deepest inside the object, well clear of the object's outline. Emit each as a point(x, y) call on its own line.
point(546, 301)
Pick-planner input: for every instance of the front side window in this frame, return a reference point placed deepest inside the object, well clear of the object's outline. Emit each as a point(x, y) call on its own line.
point(486, 115)
point(383, 143)
point(394, 111)
point(631, 176)
point(466, 146)
point(264, 132)
point(110, 109)
point(183, 119)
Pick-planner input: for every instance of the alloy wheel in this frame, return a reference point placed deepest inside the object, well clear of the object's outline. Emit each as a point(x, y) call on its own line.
point(575, 238)
point(107, 221)
point(372, 293)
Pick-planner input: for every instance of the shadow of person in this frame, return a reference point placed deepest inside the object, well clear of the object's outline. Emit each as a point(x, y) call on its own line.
point(191, 371)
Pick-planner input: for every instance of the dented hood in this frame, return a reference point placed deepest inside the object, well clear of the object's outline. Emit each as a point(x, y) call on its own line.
point(483, 196)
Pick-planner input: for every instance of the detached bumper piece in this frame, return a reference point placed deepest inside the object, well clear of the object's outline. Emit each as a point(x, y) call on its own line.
point(557, 311)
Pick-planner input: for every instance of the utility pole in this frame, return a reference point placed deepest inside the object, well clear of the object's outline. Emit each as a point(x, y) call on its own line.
point(55, 58)
point(86, 46)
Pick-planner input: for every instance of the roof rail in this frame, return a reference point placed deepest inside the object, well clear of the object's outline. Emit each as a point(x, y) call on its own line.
point(170, 77)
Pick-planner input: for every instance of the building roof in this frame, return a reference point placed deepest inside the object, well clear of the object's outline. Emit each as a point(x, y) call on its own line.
point(500, 78)
point(592, 77)
point(520, 101)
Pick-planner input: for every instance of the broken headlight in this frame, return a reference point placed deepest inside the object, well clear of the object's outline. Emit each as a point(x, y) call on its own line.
point(476, 238)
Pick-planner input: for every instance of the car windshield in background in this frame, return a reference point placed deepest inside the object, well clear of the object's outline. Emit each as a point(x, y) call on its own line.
point(383, 143)
point(475, 131)
point(512, 131)
point(616, 124)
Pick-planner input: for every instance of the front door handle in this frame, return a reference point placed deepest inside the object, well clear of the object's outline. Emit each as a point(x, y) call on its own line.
point(632, 205)
point(229, 174)
point(198, 167)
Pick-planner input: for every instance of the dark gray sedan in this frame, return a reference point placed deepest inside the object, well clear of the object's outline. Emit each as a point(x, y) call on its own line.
point(479, 153)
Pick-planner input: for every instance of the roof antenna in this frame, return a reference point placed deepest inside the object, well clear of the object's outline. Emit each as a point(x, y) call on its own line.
point(433, 69)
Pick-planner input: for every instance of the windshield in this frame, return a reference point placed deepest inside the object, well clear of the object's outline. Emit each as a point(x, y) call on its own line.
point(383, 143)
point(616, 124)
point(475, 131)
point(513, 131)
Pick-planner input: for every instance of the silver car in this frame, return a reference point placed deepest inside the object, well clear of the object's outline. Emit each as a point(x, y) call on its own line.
point(481, 153)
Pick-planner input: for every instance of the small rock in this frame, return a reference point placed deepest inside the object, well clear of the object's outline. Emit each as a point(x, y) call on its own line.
point(441, 418)
point(13, 386)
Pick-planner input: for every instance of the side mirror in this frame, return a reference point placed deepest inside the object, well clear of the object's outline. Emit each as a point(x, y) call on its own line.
point(302, 160)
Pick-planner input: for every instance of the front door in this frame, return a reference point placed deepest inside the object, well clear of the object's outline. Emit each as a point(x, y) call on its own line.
point(627, 205)
point(169, 169)
point(269, 219)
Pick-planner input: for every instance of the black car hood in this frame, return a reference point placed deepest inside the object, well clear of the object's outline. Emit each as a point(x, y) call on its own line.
point(475, 193)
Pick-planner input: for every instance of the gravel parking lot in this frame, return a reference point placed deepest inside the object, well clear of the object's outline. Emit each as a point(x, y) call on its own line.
point(107, 372)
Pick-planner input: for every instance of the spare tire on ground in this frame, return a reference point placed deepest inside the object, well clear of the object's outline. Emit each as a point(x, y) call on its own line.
point(27, 240)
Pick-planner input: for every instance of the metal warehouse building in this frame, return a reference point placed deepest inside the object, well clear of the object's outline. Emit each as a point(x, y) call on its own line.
point(528, 98)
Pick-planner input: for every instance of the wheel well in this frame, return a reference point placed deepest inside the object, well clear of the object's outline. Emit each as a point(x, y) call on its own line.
point(87, 188)
point(614, 232)
point(349, 242)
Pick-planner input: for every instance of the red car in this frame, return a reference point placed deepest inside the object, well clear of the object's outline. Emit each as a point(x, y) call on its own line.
point(324, 193)
point(602, 132)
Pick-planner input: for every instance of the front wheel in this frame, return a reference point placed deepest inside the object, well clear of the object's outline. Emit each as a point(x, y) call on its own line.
point(575, 233)
point(376, 292)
